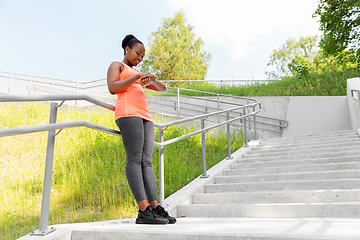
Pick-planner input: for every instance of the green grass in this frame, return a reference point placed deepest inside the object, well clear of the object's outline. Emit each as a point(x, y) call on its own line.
point(313, 84)
point(89, 182)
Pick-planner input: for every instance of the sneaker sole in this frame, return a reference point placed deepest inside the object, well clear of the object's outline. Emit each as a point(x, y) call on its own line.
point(155, 223)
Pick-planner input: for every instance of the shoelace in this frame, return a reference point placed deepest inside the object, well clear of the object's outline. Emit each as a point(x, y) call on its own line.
point(161, 211)
point(150, 214)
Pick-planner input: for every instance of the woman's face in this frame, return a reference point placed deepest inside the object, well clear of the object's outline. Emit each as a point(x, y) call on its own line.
point(135, 55)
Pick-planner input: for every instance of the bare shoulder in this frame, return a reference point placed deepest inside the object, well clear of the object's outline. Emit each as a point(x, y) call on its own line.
point(116, 65)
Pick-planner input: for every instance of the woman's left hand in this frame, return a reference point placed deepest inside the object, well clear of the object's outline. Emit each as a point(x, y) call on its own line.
point(146, 81)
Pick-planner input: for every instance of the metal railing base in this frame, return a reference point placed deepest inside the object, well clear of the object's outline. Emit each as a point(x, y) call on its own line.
point(204, 176)
point(42, 232)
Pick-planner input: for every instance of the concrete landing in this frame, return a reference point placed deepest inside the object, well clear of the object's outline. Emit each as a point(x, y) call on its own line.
point(213, 228)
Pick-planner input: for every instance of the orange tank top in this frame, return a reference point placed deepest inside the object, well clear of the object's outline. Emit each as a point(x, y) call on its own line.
point(132, 101)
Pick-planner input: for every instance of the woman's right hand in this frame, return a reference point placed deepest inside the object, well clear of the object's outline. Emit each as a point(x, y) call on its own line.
point(146, 75)
point(147, 79)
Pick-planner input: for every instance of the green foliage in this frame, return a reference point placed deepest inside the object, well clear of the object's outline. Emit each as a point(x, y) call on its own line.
point(295, 57)
point(312, 84)
point(174, 53)
point(340, 22)
point(89, 181)
point(299, 58)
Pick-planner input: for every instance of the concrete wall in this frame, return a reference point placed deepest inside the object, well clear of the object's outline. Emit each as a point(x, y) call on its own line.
point(308, 115)
point(311, 115)
point(273, 107)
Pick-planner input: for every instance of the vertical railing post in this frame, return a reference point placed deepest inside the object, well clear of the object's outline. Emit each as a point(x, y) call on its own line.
point(255, 130)
point(245, 131)
point(10, 80)
point(178, 102)
point(77, 91)
point(52, 86)
point(45, 205)
point(247, 111)
point(228, 135)
point(218, 106)
point(203, 149)
point(30, 85)
point(161, 168)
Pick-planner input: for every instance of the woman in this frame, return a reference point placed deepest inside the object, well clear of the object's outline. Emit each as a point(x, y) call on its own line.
point(137, 129)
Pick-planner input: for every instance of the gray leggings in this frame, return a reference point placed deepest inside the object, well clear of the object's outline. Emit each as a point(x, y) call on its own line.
point(138, 137)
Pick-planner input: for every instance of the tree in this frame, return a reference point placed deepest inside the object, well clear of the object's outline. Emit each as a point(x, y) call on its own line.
point(301, 57)
point(174, 53)
point(294, 57)
point(340, 22)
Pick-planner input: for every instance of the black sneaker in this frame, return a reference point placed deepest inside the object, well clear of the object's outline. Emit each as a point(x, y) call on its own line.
point(160, 211)
point(148, 217)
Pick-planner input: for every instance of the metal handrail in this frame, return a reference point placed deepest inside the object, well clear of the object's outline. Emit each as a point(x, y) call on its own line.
point(83, 85)
point(277, 126)
point(165, 81)
point(279, 123)
point(57, 97)
point(205, 115)
point(55, 126)
point(357, 93)
point(168, 142)
point(215, 94)
point(52, 126)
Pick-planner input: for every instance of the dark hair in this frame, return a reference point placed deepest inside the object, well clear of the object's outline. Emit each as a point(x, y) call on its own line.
point(130, 41)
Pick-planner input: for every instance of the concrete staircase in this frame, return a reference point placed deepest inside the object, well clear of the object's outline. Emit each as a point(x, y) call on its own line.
point(316, 176)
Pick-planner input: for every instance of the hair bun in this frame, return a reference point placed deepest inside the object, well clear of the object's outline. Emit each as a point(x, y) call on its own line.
point(126, 40)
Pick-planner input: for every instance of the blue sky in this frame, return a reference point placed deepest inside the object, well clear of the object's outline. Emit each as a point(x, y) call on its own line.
point(78, 39)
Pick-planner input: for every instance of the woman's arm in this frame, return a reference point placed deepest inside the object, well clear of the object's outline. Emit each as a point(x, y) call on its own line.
point(114, 85)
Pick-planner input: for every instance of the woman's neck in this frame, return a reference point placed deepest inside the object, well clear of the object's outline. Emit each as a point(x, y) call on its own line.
point(127, 62)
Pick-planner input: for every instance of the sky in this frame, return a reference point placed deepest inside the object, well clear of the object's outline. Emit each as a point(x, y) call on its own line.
point(77, 39)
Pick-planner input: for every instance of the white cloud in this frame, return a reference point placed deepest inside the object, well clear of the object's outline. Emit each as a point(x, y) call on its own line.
point(238, 25)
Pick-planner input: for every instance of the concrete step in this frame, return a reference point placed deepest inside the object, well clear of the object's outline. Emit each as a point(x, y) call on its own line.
point(306, 145)
point(345, 134)
point(310, 142)
point(340, 134)
point(321, 175)
point(306, 176)
point(297, 147)
point(305, 196)
point(273, 162)
point(280, 210)
point(309, 138)
point(277, 159)
point(283, 185)
point(301, 152)
point(304, 155)
point(292, 169)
